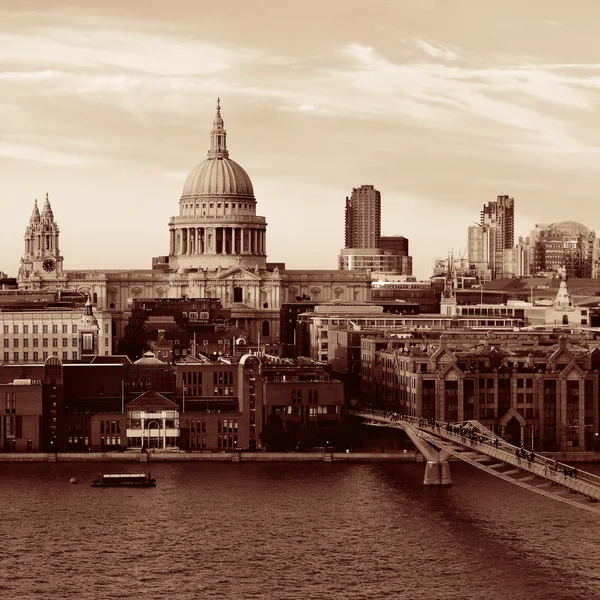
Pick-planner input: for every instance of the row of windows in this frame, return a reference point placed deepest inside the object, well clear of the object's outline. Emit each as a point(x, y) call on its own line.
point(110, 427)
point(313, 396)
point(227, 426)
point(211, 205)
point(45, 342)
point(227, 441)
point(223, 377)
point(295, 411)
point(35, 356)
point(45, 328)
point(77, 440)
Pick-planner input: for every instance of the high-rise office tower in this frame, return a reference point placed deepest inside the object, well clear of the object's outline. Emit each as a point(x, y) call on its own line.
point(489, 240)
point(365, 249)
point(363, 218)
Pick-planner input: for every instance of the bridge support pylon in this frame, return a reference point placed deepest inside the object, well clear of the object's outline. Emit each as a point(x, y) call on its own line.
point(437, 473)
point(437, 469)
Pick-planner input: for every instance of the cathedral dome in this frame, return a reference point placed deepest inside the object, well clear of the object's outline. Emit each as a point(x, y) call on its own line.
point(218, 175)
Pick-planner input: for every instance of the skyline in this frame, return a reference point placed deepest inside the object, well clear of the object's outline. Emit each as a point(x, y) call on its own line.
point(441, 106)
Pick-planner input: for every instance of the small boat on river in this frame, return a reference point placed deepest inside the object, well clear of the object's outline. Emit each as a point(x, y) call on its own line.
point(124, 480)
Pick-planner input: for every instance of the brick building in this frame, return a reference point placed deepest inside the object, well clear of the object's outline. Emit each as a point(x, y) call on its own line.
point(545, 396)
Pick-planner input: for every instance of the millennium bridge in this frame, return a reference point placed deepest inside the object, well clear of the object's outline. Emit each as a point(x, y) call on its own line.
point(475, 444)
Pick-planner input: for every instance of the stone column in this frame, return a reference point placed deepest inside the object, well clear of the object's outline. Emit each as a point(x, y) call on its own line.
point(233, 241)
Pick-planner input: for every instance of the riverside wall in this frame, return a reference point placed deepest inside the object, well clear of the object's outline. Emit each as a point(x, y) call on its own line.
point(236, 457)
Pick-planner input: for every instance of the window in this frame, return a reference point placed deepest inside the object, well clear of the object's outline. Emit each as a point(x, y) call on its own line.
point(74, 342)
point(6, 329)
point(74, 355)
point(45, 342)
point(26, 356)
point(54, 328)
point(6, 342)
point(16, 356)
point(36, 355)
point(65, 342)
point(35, 342)
point(88, 341)
point(35, 329)
point(44, 328)
point(55, 342)
point(105, 327)
point(16, 329)
point(16, 342)
point(25, 328)
point(74, 329)
point(6, 357)
point(65, 329)
point(25, 343)
point(65, 355)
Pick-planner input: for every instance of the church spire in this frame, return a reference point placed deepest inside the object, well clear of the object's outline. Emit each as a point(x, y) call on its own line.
point(47, 210)
point(218, 136)
point(35, 214)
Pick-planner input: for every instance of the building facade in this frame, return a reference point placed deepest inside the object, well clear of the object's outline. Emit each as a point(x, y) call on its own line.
point(542, 398)
point(30, 334)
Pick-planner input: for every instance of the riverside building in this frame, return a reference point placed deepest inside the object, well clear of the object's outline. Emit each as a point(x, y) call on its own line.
point(545, 397)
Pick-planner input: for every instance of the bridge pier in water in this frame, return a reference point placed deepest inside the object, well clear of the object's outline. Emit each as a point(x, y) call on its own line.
point(437, 473)
point(437, 469)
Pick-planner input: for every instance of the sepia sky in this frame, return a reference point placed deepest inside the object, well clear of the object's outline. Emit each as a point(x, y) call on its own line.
point(440, 104)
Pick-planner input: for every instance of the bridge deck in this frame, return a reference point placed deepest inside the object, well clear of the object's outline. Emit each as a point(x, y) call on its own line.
point(477, 445)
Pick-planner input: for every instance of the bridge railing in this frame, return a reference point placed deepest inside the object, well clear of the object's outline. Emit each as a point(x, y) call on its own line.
point(558, 471)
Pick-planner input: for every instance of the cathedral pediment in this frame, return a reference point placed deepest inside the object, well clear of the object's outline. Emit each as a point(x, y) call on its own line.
point(238, 274)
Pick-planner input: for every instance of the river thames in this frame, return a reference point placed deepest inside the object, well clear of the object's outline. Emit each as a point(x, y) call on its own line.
point(289, 531)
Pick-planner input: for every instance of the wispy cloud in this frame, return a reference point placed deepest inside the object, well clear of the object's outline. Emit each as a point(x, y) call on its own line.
point(436, 50)
point(47, 156)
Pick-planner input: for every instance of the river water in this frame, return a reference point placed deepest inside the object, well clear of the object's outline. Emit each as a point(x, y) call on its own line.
point(289, 531)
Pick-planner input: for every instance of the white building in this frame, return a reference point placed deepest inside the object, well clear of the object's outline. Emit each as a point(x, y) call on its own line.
point(32, 335)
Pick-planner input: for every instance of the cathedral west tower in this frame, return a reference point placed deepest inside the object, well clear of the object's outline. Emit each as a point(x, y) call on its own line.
point(41, 260)
point(217, 226)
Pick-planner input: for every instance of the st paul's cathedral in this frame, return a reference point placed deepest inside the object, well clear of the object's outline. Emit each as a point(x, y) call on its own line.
point(217, 249)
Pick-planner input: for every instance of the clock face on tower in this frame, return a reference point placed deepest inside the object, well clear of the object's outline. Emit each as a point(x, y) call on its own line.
point(48, 265)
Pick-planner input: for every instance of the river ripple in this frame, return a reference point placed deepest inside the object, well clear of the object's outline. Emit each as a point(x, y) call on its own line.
point(289, 531)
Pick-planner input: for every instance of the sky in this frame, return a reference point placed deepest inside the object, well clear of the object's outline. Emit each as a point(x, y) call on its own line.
point(442, 105)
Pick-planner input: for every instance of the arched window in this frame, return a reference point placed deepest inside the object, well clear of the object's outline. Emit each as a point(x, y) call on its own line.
point(565, 319)
point(95, 298)
point(266, 329)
